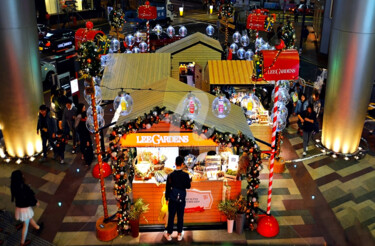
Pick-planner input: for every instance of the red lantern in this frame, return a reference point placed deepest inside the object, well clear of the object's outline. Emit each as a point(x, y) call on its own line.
point(89, 60)
point(89, 25)
point(106, 170)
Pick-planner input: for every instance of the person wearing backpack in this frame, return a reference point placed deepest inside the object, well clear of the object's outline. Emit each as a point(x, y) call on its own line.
point(175, 194)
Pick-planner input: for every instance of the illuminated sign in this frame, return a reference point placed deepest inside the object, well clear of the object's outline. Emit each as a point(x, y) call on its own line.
point(62, 45)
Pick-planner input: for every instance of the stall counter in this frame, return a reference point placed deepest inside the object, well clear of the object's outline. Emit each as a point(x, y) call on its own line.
point(201, 202)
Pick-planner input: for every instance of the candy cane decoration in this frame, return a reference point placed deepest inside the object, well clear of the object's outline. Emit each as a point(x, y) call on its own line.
point(273, 146)
point(148, 35)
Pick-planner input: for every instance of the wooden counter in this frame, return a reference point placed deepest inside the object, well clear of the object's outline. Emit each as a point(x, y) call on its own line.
point(262, 132)
point(209, 191)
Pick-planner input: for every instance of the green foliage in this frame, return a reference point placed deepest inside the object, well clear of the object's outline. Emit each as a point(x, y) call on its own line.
point(228, 208)
point(289, 35)
point(89, 58)
point(137, 209)
point(116, 18)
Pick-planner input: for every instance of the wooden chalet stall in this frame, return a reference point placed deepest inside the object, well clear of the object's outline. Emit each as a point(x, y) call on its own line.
point(196, 49)
point(236, 73)
point(204, 195)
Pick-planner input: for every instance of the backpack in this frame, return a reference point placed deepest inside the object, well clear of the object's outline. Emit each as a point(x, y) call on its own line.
point(177, 195)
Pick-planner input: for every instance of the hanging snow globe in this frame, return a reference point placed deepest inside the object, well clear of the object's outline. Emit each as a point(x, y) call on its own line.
point(182, 31)
point(221, 106)
point(98, 95)
point(249, 55)
point(170, 31)
point(123, 103)
point(236, 37)
point(90, 123)
point(241, 53)
point(158, 30)
point(114, 45)
point(138, 37)
point(251, 104)
point(143, 47)
point(245, 40)
point(192, 106)
point(99, 111)
point(130, 40)
point(233, 47)
point(210, 30)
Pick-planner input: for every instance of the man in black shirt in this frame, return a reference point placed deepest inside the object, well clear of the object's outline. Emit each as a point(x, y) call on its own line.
point(307, 118)
point(175, 194)
point(46, 127)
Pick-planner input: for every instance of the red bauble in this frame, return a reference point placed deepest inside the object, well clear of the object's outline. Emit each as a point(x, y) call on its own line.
point(89, 25)
point(281, 45)
point(106, 170)
point(89, 60)
point(268, 226)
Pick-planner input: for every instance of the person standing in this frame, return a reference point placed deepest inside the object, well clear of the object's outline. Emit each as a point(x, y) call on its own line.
point(25, 200)
point(307, 118)
point(46, 127)
point(301, 106)
point(84, 135)
point(68, 119)
point(175, 194)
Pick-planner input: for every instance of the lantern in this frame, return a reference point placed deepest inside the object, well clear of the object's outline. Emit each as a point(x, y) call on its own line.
point(123, 103)
point(221, 107)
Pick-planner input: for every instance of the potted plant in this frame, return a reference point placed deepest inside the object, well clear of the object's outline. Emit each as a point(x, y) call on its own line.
point(240, 205)
point(136, 210)
point(228, 208)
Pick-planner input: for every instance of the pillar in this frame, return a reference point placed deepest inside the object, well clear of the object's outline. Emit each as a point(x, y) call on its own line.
point(20, 78)
point(350, 73)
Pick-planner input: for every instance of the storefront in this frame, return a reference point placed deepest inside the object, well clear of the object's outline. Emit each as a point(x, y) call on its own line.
point(159, 143)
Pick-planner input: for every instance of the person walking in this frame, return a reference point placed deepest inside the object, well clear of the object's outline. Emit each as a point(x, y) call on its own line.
point(68, 119)
point(25, 200)
point(301, 106)
point(84, 135)
point(175, 194)
point(307, 118)
point(46, 127)
point(61, 140)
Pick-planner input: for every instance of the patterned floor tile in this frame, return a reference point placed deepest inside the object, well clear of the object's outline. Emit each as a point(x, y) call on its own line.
point(290, 220)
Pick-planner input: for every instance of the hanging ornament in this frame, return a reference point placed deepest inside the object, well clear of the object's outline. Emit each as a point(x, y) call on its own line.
point(284, 84)
point(90, 123)
point(210, 30)
point(282, 111)
point(106, 169)
point(138, 37)
point(182, 31)
point(136, 50)
point(245, 40)
point(115, 45)
point(191, 106)
point(170, 31)
point(143, 47)
point(158, 30)
point(124, 103)
point(241, 53)
point(98, 96)
point(236, 37)
point(130, 40)
point(233, 47)
point(259, 42)
point(283, 97)
point(127, 51)
point(266, 46)
point(99, 111)
point(221, 107)
point(251, 104)
point(249, 55)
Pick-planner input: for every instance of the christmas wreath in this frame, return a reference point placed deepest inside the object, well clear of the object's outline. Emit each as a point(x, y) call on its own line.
point(116, 18)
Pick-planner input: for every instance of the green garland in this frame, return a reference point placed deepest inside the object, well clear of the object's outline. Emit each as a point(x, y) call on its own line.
point(89, 58)
point(116, 18)
point(288, 35)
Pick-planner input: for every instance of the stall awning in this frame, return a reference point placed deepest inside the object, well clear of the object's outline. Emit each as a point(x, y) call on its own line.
point(170, 93)
point(134, 71)
point(231, 72)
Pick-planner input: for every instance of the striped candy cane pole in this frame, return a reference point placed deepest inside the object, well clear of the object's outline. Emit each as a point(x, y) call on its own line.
point(273, 146)
point(148, 35)
point(257, 35)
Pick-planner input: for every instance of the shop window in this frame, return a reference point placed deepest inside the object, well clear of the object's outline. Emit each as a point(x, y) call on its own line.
point(57, 6)
point(187, 73)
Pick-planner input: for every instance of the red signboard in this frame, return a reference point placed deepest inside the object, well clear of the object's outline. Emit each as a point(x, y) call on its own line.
point(147, 12)
point(256, 22)
point(285, 67)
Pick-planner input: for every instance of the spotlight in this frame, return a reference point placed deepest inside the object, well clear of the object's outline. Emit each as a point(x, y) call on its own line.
point(295, 166)
point(334, 156)
point(313, 197)
point(32, 158)
point(359, 148)
point(356, 157)
point(323, 150)
point(317, 140)
point(346, 158)
point(7, 160)
point(317, 145)
point(59, 204)
point(77, 170)
point(19, 161)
